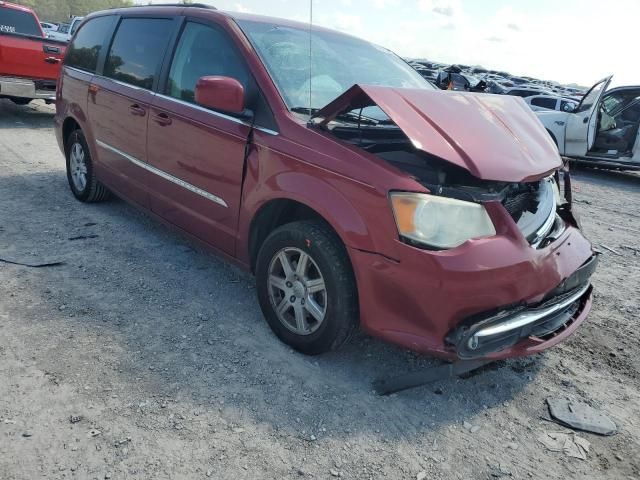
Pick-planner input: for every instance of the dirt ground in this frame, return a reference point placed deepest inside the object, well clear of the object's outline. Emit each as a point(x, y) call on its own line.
point(143, 357)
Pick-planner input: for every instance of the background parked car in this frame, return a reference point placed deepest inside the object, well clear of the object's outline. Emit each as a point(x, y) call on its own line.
point(61, 34)
point(66, 31)
point(30, 63)
point(49, 27)
point(524, 91)
point(452, 78)
point(479, 79)
point(603, 130)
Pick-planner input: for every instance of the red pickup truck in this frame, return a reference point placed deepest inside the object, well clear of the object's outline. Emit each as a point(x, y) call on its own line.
point(29, 62)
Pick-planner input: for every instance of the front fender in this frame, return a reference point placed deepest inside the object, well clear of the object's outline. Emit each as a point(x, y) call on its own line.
point(273, 176)
point(555, 123)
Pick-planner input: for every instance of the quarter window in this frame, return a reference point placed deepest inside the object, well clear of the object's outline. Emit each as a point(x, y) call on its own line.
point(137, 51)
point(84, 51)
point(203, 51)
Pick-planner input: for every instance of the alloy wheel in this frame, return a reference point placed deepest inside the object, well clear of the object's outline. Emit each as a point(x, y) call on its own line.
point(78, 167)
point(297, 291)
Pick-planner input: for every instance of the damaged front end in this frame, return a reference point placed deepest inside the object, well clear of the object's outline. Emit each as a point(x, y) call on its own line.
point(473, 148)
point(490, 152)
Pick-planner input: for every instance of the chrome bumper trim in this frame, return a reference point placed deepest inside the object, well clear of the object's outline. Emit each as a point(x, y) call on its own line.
point(531, 316)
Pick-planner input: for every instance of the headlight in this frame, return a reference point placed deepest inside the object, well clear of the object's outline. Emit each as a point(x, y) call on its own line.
point(556, 189)
point(438, 221)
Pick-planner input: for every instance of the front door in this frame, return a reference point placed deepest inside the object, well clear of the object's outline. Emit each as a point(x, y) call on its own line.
point(120, 100)
point(582, 124)
point(198, 154)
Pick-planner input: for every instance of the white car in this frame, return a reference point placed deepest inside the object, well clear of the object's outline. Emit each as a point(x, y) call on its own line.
point(49, 27)
point(61, 34)
point(551, 102)
point(603, 130)
point(526, 91)
point(65, 32)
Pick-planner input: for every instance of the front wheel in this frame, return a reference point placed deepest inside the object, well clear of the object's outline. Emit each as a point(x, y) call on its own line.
point(306, 287)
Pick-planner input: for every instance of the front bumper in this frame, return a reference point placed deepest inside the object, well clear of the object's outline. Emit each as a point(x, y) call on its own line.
point(25, 88)
point(420, 298)
point(489, 334)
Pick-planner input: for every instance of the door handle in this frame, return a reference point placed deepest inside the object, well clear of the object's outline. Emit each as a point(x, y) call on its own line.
point(162, 119)
point(137, 110)
point(93, 89)
point(52, 60)
point(585, 120)
point(50, 49)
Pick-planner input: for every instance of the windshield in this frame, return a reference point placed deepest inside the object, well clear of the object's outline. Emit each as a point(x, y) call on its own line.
point(337, 62)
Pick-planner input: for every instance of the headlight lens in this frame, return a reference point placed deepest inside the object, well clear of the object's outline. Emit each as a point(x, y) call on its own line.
point(438, 221)
point(556, 189)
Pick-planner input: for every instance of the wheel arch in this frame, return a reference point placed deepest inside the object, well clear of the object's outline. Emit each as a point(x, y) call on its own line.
point(69, 126)
point(300, 197)
point(275, 213)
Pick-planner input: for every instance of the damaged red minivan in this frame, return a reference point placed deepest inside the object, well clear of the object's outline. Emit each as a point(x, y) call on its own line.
point(358, 194)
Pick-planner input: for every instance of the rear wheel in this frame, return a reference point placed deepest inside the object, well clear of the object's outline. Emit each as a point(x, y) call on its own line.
point(80, 174)
point(306, 287)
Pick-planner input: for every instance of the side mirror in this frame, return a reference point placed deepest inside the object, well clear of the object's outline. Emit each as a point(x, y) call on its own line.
point(220, 93)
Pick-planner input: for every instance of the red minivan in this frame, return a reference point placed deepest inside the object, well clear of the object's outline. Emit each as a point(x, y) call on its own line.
point(358, 194)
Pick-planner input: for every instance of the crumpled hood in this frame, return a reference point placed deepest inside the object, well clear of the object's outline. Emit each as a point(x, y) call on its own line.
point(494, 137)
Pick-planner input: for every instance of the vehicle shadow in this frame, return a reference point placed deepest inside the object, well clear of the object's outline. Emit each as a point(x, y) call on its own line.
point(36, 115)
point(180, 323)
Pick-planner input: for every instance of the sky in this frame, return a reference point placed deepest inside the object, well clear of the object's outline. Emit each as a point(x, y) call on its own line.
point(570, 41)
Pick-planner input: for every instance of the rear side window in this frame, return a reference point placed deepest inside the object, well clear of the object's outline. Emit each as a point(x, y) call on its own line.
point(83, 53)
point(137, 50)
point(545, 102)
point(17, 21)
point(203, 51)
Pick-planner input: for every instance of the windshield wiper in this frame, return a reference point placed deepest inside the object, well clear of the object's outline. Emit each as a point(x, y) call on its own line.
point(347, 116)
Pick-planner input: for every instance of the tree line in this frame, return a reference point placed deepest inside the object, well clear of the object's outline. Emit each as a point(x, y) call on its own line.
point(62, 10)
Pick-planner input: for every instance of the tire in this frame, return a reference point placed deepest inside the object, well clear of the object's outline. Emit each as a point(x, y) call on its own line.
point(327, 264)
point(80, 165)
point(21, 100)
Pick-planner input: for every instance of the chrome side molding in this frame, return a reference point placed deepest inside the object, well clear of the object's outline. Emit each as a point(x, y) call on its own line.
point(165, 175)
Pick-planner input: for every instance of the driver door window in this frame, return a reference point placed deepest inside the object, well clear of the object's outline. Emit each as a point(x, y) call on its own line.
point(203, 51)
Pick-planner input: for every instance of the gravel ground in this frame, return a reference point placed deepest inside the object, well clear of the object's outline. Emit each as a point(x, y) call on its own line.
point(145, 357)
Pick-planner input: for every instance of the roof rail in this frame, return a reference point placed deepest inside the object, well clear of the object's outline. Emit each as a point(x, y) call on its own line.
point(189, 5)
